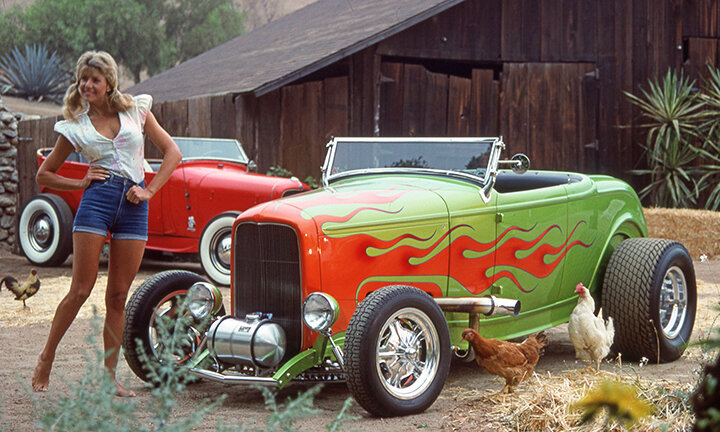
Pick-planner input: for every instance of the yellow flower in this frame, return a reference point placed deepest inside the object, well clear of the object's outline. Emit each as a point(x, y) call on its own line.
point(620, 400)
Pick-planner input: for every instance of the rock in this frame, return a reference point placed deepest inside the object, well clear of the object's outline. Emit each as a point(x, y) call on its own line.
point(7, 221)
point(8, 153)
point(7, 117)
point(7, 201)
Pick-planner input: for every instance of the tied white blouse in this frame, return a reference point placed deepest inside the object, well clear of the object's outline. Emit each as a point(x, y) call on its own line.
point(122, 155)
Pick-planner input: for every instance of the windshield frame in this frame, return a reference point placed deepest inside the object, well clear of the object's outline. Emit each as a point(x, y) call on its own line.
point(243, 159)
point(484, 182)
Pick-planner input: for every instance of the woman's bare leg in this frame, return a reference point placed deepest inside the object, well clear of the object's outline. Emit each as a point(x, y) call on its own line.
point(86, 254)
point(125, 258)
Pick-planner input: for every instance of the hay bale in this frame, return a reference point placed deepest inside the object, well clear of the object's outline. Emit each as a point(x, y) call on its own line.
point(698, 230)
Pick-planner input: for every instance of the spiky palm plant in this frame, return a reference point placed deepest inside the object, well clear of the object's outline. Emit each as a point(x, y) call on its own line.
point(36, 74)
point(674, 115)
point(711, 148)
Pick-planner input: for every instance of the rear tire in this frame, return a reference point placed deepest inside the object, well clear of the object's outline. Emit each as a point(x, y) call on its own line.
point(650, 293)
point(45, 230)
point(397, 351)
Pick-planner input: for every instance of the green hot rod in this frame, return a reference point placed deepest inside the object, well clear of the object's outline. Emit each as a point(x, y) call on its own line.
point(372, 278)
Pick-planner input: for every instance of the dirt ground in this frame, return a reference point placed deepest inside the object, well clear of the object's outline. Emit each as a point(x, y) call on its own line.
point(24, 331)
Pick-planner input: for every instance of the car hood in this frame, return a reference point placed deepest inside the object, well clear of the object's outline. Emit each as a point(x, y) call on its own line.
point(373, 204)
point(226, 176)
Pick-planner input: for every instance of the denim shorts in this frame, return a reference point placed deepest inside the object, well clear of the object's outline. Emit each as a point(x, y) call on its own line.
point(104, 208)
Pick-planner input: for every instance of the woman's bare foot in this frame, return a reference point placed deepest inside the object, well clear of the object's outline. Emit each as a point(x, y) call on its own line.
point(122, 391)
point(41, 375)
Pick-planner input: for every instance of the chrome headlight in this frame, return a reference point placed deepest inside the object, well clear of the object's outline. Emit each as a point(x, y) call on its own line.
point(320, 311)
point(203, 299)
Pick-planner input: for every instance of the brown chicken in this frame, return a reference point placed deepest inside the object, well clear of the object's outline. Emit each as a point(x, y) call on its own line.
point(510, 360)
point(25, 290)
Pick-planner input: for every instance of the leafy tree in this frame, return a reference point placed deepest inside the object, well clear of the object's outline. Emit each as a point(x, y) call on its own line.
point(142, 35)
point(194, 27)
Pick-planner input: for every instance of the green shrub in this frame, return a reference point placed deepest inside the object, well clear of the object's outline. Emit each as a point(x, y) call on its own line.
point(37, 74)
point(278, 171)
point(91, 404)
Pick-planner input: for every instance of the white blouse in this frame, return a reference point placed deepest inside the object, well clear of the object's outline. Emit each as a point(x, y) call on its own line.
point(122, 155)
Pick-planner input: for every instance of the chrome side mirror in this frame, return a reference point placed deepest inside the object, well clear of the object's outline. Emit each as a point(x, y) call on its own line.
point(521, 163)
point(251, 166)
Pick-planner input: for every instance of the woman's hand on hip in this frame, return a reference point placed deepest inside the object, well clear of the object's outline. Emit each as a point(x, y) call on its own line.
point(136, 194)
point(94, 173)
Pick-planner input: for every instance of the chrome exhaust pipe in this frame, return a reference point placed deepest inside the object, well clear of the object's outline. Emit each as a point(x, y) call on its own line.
point(233, 379)
point(489, 305)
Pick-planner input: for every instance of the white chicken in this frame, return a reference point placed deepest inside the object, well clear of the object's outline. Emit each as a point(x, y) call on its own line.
point(590, 335)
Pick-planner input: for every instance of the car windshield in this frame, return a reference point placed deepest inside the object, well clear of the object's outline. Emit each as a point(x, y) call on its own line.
point(211, 148)
point(352, 156)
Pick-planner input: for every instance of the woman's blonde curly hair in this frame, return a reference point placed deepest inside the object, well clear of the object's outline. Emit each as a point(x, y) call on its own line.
point(105, 64)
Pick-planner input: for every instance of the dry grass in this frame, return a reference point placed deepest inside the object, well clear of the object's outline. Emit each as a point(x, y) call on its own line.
point(698, 230)
point(544, 404)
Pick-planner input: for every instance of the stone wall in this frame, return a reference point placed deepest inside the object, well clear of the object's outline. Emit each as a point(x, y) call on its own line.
point(8, 175)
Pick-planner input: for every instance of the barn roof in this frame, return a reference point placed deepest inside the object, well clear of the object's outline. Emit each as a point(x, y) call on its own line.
point(289, 48)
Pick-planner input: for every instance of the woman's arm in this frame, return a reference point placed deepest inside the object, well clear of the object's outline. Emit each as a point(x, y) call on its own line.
point(171, 159)
point(47, 173)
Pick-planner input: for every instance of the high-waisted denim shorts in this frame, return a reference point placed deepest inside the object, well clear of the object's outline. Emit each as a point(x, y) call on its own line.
point(104, 208)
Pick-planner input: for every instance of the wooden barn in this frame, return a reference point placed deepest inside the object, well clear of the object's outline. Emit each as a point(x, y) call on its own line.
point(547, 75)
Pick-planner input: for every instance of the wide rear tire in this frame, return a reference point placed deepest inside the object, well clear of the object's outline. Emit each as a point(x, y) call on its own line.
point(45, 230)
point(651, 294)
point(397, 351)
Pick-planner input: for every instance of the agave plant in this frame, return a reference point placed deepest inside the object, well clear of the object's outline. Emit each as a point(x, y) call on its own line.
point(36, 74)
point(711, 148)
point(675, 116)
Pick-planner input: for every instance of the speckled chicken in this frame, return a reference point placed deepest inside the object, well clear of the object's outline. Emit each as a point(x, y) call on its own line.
point(512, 361)
point(23, 291)
point(591, 336)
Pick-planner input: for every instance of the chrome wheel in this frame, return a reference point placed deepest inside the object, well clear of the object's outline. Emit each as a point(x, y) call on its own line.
point(220, 246)
point(41, 232)
point(216, 248)
point(408, 353)
point(673, 302)
point(169, 308)
point(44, 230)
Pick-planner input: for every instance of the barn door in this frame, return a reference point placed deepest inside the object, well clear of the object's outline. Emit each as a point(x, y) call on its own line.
point(549, 112)
point(415, 101)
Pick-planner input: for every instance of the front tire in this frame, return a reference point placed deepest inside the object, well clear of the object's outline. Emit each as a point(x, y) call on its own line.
point(45, 230)
point(397, 351)
point(160, 295)
point(650, 292)
point(215, 248)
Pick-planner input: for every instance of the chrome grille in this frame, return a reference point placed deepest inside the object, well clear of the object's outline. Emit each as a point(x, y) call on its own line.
point(266, 277)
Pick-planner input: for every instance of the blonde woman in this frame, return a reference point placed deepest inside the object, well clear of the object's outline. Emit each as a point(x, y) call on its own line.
point(107, 127)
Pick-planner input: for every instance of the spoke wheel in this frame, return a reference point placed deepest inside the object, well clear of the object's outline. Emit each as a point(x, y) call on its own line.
point(408, 353)
point(406, 368)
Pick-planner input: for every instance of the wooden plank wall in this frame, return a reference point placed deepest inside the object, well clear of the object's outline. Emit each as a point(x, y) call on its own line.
point(417, 102)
